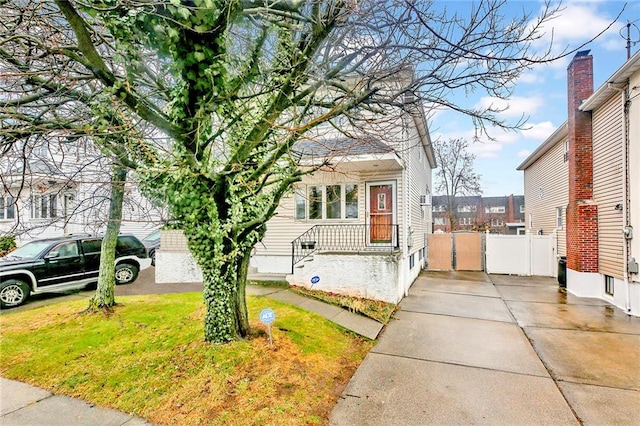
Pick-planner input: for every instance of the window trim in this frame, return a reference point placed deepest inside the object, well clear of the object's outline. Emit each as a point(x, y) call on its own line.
point(302, 194)
point(51, 206)
point(7, 208)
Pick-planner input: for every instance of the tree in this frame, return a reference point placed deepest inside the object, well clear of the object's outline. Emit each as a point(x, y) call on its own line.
point(233, 85)
point(56, 132)
point(456, 176)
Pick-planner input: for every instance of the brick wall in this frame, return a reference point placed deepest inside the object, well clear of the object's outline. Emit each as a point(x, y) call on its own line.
point(582, 212)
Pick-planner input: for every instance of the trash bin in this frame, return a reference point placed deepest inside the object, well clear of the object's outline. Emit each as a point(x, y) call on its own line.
point(562, 271)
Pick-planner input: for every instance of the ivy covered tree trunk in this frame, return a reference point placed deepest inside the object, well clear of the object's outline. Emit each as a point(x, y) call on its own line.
point(105, 293)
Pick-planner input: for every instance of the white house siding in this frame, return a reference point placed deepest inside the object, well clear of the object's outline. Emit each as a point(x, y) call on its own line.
point(273, 253)
point(608, 143)
point(634, 190)
point(86, 214)
point(546, 187)
point(419, 217)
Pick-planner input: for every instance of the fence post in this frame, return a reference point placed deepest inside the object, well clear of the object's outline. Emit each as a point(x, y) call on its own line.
point(486, 250)
point(527, 252)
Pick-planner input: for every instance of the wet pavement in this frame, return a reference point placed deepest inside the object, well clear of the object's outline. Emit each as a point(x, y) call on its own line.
point(467, 348)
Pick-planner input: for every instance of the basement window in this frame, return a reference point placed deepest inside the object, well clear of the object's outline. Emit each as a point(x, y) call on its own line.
point(608, 285)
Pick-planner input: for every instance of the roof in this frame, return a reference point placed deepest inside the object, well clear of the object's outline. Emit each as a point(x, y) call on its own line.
point(600, 96)
point(340, 147)
point(608, 89)
point(557, 136)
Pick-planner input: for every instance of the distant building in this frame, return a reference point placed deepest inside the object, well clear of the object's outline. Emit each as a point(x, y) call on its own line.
point(498, 215)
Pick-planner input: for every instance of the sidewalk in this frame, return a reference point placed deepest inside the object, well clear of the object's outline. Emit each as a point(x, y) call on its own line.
point(498, 350)
point(22, 404)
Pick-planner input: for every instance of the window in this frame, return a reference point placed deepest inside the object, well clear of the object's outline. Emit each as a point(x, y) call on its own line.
point(467, 209)
point(92, 246)
point(559, 217)
point(497, 222)
point(522, 209)
point(333, 201)
point(327, 202)
point(566, 150)
point(43, 206)
point(497, 209)
point(438, 221)
point(7, 208)
point(466, 221)
point(412, 261)
point(301, 204)
point(351, 201)
point(608, 285)
point(68, 249)
point(315, 202)
point(440, 208)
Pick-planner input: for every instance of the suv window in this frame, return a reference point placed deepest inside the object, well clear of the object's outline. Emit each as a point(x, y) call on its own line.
point(91, 246)
point(127, 243)
point(68, 249)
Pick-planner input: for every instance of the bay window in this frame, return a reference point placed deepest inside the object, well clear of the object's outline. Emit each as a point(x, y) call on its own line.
point(339, 201)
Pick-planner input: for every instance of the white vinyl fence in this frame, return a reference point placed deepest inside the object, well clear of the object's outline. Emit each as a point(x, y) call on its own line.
point(521, 254)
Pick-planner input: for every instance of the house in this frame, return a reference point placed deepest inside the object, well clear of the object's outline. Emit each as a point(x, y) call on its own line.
point(357, 226)
point(498, 215)
point(53, 189)
point(583, 183)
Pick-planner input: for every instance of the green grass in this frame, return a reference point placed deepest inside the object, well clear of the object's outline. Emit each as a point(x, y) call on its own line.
point(375, 309)
point(149, 359)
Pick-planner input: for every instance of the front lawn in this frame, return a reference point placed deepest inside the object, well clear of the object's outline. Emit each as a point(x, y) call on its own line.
point(149, 359)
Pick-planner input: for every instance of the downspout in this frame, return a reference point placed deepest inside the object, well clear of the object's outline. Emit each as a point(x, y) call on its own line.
point(624, 92)
point(407, 211)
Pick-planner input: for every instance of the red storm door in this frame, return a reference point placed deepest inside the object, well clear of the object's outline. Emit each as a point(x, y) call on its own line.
point(381, 213)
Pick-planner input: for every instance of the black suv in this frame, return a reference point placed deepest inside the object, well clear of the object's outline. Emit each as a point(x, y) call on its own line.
point(64, 263)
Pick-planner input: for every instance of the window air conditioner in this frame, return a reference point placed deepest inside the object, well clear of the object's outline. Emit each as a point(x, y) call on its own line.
point(425, 200)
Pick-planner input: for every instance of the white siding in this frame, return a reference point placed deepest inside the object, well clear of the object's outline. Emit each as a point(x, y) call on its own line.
point(546, 187)
point(608, 144)
point(283, 228)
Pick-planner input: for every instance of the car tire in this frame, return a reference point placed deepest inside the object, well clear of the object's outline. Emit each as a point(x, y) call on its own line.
point(153, 258)
point(126, 273)
point(13, 293)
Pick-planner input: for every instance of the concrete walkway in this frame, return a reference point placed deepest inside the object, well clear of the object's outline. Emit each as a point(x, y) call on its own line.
point(22, 404)
point(502, 350)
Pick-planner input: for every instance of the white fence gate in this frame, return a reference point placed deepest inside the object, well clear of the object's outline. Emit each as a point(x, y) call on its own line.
point(521, 254)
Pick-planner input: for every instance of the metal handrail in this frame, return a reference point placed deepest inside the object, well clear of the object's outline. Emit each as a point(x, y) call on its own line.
point(352, 238)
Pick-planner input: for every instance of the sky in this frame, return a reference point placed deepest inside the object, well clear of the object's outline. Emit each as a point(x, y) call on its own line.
point(541, 94)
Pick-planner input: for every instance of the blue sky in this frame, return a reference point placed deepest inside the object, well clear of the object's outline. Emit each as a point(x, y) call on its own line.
point(541, 94)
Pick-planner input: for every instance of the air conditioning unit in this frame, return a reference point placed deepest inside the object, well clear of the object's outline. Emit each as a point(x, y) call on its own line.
point(425, 200)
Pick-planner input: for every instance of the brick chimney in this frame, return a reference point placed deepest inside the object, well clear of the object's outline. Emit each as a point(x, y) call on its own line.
point(582, 212)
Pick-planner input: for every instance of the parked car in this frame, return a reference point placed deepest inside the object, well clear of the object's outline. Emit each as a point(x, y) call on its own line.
point(152, 243)
point(65, 263)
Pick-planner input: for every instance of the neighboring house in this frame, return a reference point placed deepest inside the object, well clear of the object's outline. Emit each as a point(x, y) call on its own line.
point(54, 190)
point(498, 215)
point(358, 226)
point(584, 183)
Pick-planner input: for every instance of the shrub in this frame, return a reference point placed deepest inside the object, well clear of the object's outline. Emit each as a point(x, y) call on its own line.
point(7, 244)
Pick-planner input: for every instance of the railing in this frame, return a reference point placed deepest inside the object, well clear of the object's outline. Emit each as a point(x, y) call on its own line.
point(344, 238)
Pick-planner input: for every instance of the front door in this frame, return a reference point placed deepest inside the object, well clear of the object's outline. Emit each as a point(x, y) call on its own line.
point(381, 213)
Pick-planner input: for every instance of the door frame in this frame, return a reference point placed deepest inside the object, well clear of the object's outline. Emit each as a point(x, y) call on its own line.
point(394, 200)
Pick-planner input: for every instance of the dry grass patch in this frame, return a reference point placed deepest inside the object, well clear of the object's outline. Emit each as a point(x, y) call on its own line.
point(148, 359)
point(375, 309)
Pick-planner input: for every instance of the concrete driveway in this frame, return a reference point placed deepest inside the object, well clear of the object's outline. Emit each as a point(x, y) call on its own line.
point(467, 348)
point(144, 284)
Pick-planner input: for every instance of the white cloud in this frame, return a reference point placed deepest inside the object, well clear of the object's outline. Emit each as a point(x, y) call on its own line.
point(576, 23)
point(524, 153)
point(514, 107)
point(539, 131)
point(531, 77)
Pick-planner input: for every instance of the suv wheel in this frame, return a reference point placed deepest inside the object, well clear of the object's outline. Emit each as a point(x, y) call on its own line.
point(13, 293)
point(126, 273)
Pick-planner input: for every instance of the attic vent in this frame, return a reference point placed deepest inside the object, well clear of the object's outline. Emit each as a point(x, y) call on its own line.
point(425, 200)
